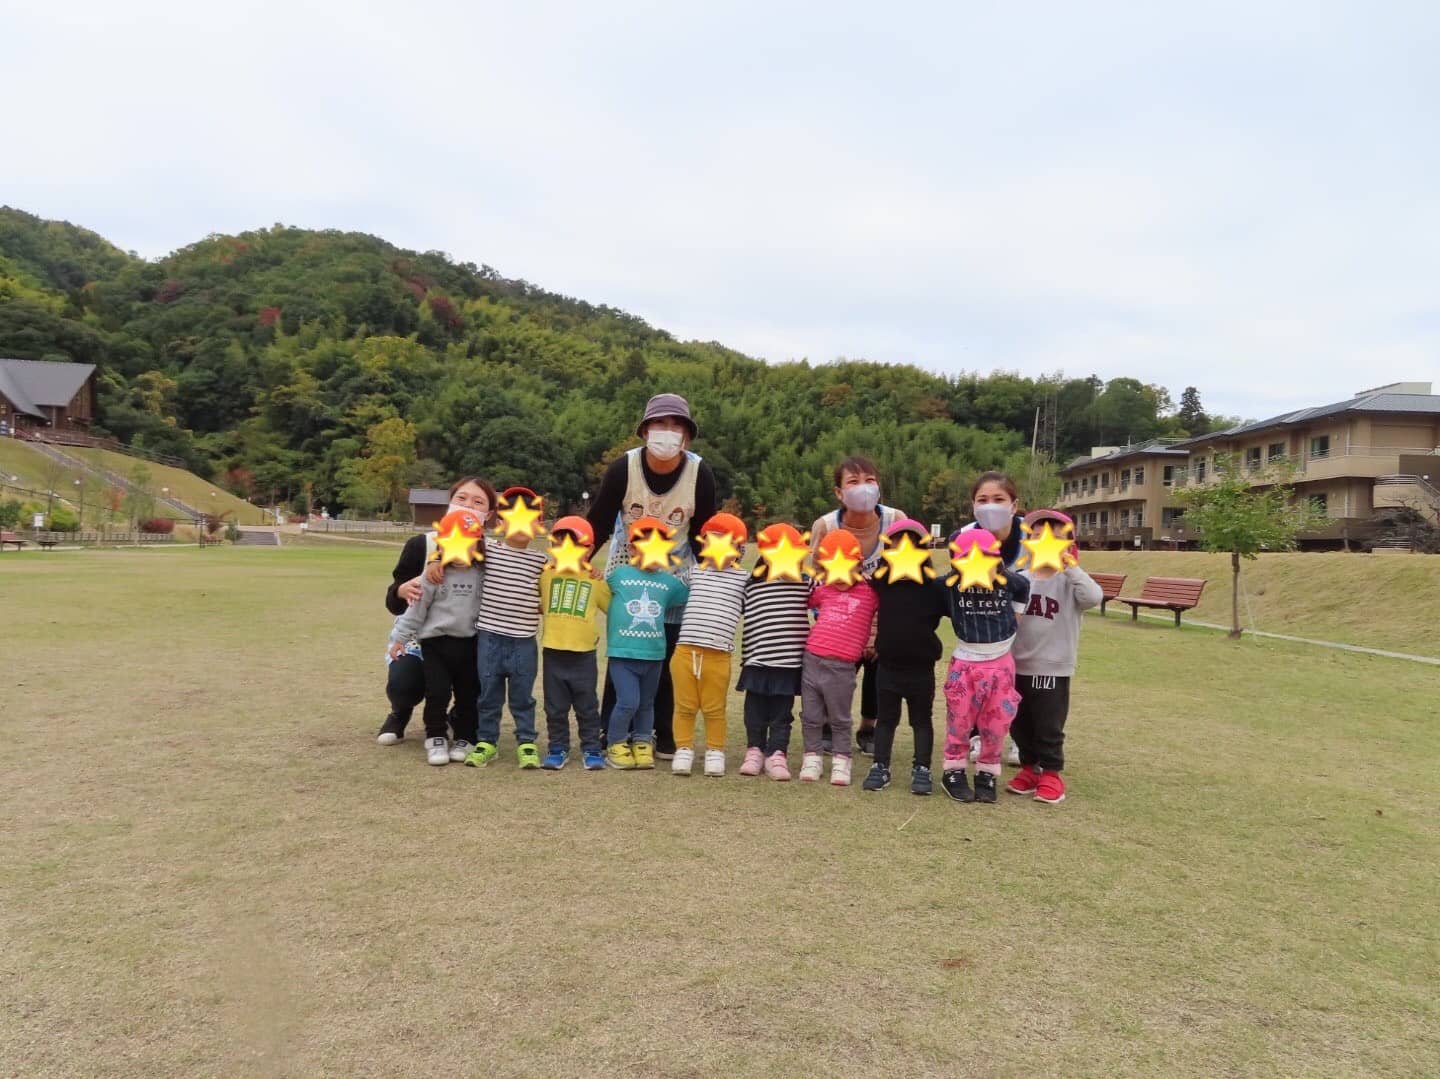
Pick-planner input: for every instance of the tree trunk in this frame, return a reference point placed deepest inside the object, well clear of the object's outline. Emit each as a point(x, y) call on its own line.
point(1235, 596)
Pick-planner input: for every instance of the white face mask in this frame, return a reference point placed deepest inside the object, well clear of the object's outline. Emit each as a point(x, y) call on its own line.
point(993, 516)
point(862, 498)
point(665, 445)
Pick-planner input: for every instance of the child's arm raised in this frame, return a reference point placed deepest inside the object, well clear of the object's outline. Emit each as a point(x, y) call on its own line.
point(1083, 587)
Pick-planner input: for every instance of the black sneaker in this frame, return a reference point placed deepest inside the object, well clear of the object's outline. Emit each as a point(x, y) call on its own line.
point(878, 778)
point(920, 780)
point(392, 731)
point(865, 741)
point(984, 787)
point(956, 785)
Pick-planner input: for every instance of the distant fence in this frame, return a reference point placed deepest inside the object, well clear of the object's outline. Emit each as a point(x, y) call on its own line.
point(99, 539)
point(336, 525)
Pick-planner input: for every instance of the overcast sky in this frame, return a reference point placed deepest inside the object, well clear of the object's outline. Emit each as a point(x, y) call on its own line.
point(1240, 196)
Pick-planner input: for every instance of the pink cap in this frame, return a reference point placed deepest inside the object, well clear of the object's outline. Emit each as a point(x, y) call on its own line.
point(975, 537)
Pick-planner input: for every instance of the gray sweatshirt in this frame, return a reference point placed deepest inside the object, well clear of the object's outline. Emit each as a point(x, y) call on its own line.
point(1049, 635)
point(448, 609)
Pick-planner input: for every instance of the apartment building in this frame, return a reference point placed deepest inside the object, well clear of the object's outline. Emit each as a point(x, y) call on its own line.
point(1121, 496)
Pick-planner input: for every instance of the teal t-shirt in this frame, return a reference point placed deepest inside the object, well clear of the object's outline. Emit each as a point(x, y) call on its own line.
point(635, 623)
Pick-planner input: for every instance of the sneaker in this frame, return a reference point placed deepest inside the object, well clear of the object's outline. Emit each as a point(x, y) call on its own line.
point(877, 779)
point(714, 763)
point(1012, 752)
point(811, 765)
point(460, 749)
point(683, 762)
point(666, 754)
point(840, 772)
point(644, 754)
point(594, 760)
point(437, 751)
point(777, 767)
point(957, 785)
point(1024, 781)
point(974, 747)
point(985, 787)
point(392, 731)
point(865, 739)
point(1051, 788)
point(754, 762)
point(920, 782)
point(482, 755)
point(555, 759)
point(527, 756)
point(619, 755)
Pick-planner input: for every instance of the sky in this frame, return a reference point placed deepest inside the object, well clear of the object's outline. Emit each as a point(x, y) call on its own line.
point(1240, 197)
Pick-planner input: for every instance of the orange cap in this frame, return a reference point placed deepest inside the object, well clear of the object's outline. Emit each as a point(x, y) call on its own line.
point(648, 524)
point(468, 521)
point(839, 541)
point(770, 535)
point(728, 524)
point(578, 526)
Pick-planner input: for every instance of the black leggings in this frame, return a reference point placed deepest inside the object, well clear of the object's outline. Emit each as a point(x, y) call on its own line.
point(405, 686)
point(915, 687)
point(450, 668)
point(1039, 727)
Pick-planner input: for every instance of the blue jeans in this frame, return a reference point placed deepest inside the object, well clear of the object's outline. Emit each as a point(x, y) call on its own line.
point(635, 683)
point(506, 660)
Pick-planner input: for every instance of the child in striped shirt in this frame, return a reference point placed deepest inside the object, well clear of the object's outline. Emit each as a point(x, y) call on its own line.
point(772, 649)
point(507, 653)
point(700, 668)
point(844, 627)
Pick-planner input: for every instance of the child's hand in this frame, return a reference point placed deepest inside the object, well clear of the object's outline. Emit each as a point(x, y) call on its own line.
point(1072, 556)
point(435, 573)
point(869, 654)
point(396, 648)
point(596, 572)
point(410, 591)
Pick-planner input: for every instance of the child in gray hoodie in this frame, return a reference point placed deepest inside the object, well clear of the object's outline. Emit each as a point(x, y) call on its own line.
point(1045, 649)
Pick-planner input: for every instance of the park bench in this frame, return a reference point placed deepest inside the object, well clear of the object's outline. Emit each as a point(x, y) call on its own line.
point(211, 541)
point(1174, 594)
point(11, 537)
point(46, 540)
point(1110, 585)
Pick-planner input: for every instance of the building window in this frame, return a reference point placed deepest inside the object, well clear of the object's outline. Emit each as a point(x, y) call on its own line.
point(1276, 451)
point(1169, 515)
point(1320, 446)
point(1104, 479)
point(1252, 457)
point(1139, 476)
point(1137, 518)
point(1125, 478)
point(1104, 518)
point(1167, 476)
point(1200, 470)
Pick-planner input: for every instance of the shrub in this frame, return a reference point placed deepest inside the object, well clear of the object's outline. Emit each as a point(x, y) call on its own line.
point(11, 512)
point(232, 533)
point(63, 520)
point(160, 525)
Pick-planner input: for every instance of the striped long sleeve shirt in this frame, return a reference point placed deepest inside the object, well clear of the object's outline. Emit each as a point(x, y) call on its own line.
point(713, 610)
point(777, 623)
point(510, 605)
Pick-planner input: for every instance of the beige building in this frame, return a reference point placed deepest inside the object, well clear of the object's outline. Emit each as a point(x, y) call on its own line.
point(1378, 450)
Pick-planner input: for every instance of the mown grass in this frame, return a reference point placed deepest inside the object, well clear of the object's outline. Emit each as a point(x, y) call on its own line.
point(211, 869)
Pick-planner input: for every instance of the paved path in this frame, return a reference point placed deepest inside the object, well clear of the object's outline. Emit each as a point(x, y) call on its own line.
point(1430, 660)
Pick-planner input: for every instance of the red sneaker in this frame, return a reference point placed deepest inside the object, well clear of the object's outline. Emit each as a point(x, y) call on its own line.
point(1025, 781)
point(1050, 789)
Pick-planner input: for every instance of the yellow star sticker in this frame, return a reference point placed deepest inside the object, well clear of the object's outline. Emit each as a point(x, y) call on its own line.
point(454, 546)
point(521, 519)
point(785, 560)
point(569, 556)
point(976, 568)
point(653, 552)
point(839, 568)
point(1047, 550)
point(906, 560)
point(719, 550)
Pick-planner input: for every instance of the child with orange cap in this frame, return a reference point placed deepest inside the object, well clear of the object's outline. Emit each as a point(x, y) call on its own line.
point(635, 640)
point(700, 668)
point(772, 649)
point(844, 608)
point(569, 599)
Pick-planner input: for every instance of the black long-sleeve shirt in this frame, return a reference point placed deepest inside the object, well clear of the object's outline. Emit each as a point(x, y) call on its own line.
point(410, 565)
point(905, 629)
point(608, 500)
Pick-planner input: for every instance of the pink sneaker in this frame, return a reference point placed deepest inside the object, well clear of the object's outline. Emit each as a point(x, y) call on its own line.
point(754, 762)
point(777, 767)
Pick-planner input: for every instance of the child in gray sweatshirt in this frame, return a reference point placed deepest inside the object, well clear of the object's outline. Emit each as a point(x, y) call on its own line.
point(1045, 649)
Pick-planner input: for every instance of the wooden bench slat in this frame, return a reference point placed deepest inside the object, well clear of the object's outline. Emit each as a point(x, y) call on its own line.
point(1174, 594)
point(1110, 585)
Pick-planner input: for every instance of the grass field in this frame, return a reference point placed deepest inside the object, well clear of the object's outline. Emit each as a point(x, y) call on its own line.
point(211, 869)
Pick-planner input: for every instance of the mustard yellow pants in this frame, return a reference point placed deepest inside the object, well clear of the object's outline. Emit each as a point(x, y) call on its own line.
point(701, 677)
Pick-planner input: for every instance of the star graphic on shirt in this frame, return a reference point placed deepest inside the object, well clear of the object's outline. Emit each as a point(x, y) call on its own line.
point(653, 552)
point(454, 546)
point(839, 568)
point(784, 561)
point(520, 518)
point(569, 557)
point(644, 609)
point(719, 550)
point(1047, 550)
point(905, 560)
point(976, 568)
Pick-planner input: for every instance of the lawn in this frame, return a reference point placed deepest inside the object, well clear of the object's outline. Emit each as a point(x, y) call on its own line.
point(213, 870)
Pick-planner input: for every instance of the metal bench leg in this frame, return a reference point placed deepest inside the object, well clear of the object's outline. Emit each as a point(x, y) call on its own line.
point(1177, 619)
point(1134, 613)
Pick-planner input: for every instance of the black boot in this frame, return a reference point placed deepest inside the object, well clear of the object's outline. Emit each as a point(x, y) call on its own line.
point(956, 785)
point(984, 787)
point(392, 730)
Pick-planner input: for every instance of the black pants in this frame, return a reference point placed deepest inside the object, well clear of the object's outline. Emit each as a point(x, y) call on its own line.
point(769, 718)
point(450, 668)
point(915, 688)
point(405, 686)
point(569, 680)
point(1039, 727)
point(664, 696)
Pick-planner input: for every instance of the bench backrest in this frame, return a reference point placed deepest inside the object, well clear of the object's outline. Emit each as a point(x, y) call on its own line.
point(1110, 583)
point(1184, 590)
point(9, 537)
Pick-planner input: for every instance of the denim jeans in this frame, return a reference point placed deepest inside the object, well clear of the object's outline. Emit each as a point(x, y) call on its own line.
point(503, 661)
point(636, 680)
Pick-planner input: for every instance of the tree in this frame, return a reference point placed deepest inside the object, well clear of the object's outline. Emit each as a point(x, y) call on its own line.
point(54, 474)
point(1191, 416)
point(139, 500)
point(1232, 515)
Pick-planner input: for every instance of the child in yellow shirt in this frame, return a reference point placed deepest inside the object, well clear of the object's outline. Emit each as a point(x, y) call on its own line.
point(569, 599)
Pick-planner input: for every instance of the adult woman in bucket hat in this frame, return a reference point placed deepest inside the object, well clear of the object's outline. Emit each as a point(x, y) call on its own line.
point(663, 479)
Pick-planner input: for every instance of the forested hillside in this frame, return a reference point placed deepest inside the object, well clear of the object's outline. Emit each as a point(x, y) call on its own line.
point(336, 367)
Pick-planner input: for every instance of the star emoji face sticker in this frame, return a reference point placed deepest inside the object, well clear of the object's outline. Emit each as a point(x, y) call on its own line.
point(719, 550)
point(905, 560)
point(653, 552)
point(975, 568)
point(456, 537)
point(568, 556)
point(520, 514)
point(839, 567)
point(783, 556)
point(1047, 550)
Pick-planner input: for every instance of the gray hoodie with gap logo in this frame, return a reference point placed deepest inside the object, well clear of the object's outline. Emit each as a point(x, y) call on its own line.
point(1048, 638)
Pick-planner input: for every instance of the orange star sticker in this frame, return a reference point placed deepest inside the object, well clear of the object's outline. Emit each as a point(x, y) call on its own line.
point(905, 560)
point(719, 550)
point(454, 546)
point(784, 561)
point(976, 568)
point(839, 568)
point(653, 552)
point(567, 556)
point(1047, 550)
point(520, 518)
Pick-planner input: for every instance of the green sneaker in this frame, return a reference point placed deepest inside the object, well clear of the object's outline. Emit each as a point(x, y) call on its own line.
point(527, 755)
point(482, 755)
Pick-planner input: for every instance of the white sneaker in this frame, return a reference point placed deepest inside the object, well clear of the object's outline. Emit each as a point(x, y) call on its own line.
point(974, 748)
point(714, 762)
point(437, 751)
point(811, 765)
point(1012, 753)
point(460, 749)
point(683, 761)
point(840, 772)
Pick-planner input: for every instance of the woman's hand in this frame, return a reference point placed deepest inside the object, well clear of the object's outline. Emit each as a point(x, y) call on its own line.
point(409, 591)
point(396, 648)
point(434, 573)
